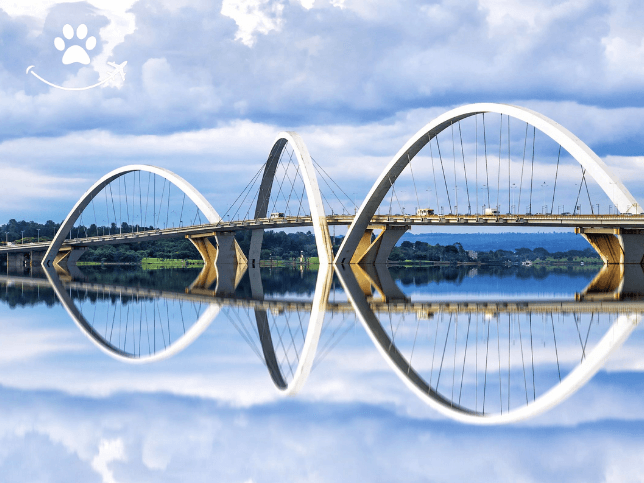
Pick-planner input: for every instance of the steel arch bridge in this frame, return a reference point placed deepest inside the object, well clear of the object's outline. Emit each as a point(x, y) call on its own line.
point(286, 192)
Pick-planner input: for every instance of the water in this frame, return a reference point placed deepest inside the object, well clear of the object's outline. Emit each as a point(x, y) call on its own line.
point(282, 374)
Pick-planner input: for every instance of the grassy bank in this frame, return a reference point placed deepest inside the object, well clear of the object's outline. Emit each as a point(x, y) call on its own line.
point(157, 263)
point(312, 262)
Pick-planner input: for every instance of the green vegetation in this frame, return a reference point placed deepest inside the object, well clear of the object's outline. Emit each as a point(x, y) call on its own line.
point(13, 231)
point(157, 263)
point(424, 252)
point(421, 251)
point(284, 246)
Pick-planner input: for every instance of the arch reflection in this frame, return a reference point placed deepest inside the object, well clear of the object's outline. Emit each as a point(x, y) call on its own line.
point(136, 329)
point(486, 353)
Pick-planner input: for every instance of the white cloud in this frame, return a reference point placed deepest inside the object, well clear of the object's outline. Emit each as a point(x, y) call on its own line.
point(253, 17)
point(537, 14)
point(108, 451)
point(25, 189)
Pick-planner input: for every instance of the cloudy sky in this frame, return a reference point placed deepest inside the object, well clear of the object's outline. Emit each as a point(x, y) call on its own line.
point(209, 84)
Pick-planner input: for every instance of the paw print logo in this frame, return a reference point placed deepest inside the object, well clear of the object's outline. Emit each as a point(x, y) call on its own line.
point(75, 53)
point(78, 54)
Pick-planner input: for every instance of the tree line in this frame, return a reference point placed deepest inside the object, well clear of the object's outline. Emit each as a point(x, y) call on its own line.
point(423, 251)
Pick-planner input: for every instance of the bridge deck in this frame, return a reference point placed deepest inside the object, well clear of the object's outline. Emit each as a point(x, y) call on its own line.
point(378, 221)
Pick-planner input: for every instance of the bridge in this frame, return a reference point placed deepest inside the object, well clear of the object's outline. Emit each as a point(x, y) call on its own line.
point(292, 190)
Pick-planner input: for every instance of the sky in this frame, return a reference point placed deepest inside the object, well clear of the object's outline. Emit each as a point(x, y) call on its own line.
point(209, 85)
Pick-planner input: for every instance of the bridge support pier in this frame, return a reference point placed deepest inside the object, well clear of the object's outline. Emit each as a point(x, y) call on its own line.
point(68, 257)
point(378, 251)
point(226, 263)
point(616, 245)
point(65, 263)
point(255, 251)
point(378, 277)
point(615, 282)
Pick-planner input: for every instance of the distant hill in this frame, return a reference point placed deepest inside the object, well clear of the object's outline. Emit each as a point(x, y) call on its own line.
point(553, 242)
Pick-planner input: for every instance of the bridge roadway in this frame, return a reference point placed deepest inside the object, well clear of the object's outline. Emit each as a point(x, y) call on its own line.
point(631, 221)
point(421, 309)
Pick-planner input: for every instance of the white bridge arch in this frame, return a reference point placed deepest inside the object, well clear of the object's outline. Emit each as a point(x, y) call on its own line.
point(594, 166)
point(197, 198)
point(318, 216)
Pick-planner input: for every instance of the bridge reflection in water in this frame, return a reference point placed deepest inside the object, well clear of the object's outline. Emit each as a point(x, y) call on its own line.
point(476, 361)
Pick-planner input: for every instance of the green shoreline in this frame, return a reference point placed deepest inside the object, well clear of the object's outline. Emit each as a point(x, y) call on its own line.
point(157, 263)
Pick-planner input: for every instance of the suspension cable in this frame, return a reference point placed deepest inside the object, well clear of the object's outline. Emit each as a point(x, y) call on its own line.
point(589, 200)
point(297, 170)
point(414, 180)
point(454, 164)
point(332, 191)
point(498, 179)
point(95, 219)
point(288, 201)
point(250, 190)
point(112, 197)
point(431, 152)
point(555, 187)
point(279, 190)
point(534, 136)
point(487, 173)
point(581, 183)
point(391, 198)
point(120, 206)
point(476, 160)
point(509, 175)
point(245, 188)
point(333, 181)
point(167, 215)
point(444, 177)
point(161, 202)
point(127, 208)
point(393, 189)
point(301, 201)
point(525, 143)
point(181, 214)
point(467, 189)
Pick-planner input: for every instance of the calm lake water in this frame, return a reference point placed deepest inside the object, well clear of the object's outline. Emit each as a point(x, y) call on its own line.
point(285, 374)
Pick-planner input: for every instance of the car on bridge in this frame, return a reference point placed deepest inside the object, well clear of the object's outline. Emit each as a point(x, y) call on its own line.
point(424, 212)
point(278, 214)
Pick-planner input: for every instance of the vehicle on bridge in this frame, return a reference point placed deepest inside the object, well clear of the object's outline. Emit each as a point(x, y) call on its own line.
point(424, 212)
